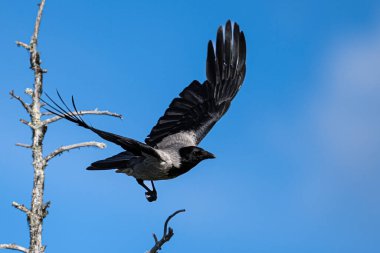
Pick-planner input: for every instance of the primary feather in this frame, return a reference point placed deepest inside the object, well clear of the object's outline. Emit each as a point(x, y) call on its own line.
point(200, 106)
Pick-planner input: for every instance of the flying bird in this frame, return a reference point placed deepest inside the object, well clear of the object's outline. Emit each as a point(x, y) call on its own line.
point(171, 149)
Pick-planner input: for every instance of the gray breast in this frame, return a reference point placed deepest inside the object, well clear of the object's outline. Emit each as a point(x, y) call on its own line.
point(151, 168)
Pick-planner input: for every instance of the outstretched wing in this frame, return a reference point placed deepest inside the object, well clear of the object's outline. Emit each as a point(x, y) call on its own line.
point(199, 106)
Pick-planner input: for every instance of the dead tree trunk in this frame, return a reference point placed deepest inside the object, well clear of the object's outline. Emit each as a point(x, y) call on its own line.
point(38, 209)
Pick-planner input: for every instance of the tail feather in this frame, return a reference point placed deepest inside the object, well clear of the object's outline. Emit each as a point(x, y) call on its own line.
point(134, 146)
point(121, 160)
point(56, 109)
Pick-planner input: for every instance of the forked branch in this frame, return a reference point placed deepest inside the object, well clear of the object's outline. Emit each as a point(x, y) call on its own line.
point(25, 105)
point(168, 233)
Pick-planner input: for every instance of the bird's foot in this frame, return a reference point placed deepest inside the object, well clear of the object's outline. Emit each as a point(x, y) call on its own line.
point(151, 196)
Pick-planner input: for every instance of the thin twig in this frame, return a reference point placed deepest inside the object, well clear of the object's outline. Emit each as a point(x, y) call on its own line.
point(93, 112)
point(38, 22)
point(14, 247)
point(23, 145)
point(25, 105)
point(69, 147)
point(155, 238)
point(26, 123)
point(168, 233)
point(29, 91)
point(45, 209)
point(22, 44)
point(22, 208)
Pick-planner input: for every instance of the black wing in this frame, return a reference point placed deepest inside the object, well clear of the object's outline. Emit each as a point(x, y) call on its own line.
point(200, 106)
point(136, 147)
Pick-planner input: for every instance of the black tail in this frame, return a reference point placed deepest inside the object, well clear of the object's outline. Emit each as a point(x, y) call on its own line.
point(119, 161)
point(65, 113)
point(126, 143)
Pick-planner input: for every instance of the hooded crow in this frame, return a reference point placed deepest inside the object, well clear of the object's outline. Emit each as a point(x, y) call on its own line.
point(171, 149)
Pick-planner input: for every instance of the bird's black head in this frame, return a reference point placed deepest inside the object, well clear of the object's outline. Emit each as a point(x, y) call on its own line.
point(193, 155)
point(190, 157)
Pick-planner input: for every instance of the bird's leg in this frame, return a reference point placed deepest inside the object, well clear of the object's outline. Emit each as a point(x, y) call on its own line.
point(141, 182)
point(154, 188)
point(154, 192)
point(151, 195)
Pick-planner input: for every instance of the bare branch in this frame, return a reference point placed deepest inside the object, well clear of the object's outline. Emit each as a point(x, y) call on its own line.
point(22, 44)
point(69, 147)
point(22, 208)
point(168, 233)
point(35, 62)
point(45, 209)
point(25, 105)
point(169, 218)
point(155, 238)
point(92, 112)
point(37, 24)
point(27, 123)
point(23, 145)
point(28, 91)
point(14, 247)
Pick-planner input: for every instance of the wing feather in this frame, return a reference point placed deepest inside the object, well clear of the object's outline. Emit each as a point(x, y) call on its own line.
point(200, 106)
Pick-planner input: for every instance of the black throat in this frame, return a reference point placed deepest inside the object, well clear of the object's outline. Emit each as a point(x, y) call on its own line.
point(185, 167)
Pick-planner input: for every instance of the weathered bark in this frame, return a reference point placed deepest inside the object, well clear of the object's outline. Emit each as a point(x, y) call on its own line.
point(13, 246)
point(38, 209)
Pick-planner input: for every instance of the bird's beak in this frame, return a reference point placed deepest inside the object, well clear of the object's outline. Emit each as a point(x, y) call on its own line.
point(208, 155)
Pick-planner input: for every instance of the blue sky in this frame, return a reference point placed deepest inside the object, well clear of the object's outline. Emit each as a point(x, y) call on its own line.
point(297, 166)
